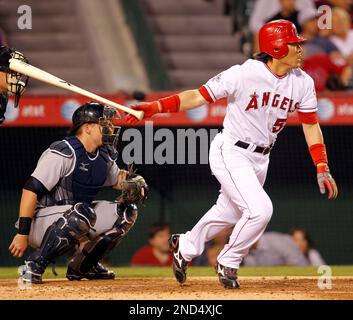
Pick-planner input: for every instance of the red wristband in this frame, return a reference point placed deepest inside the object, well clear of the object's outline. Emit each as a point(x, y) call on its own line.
point(170, 104)
point(323, 168)
point(318, 153)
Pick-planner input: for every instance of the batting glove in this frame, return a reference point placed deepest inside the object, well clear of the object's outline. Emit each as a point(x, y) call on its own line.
point(149, 110)
point(325, 181)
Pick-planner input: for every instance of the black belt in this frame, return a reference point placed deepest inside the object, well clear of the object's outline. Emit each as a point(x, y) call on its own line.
point(263, 150)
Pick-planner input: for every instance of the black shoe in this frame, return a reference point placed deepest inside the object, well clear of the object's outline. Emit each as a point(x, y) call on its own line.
point(227, 276)
point(29, 274)
point(98, 272)
point(179, 263)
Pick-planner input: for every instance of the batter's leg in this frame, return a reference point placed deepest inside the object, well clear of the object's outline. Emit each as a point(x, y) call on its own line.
point(187, 246)
point(237, 170)
point(222, 215)
point(245, 189)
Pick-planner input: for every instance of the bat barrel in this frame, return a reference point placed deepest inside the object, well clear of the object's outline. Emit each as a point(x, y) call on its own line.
point(43, 76)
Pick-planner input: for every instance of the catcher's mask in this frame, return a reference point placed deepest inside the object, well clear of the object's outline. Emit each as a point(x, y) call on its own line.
point(92, 112)
point(110, 132)
point(16, 82)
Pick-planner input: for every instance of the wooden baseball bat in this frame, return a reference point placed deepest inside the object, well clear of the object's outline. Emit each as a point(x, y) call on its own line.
point(41, 75)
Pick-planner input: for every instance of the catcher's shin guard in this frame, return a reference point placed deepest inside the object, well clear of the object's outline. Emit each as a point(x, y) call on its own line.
point(179, 263)
point(60, 237)
point(85, 263)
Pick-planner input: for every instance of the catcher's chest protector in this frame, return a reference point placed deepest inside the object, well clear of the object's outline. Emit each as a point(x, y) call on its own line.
point(89, 174)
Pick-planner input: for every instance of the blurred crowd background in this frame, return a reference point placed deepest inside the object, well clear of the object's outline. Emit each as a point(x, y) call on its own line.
point(136, 47)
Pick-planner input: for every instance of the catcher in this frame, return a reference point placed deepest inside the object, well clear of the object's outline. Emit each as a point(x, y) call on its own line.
point(10, 81)
point(57, 210)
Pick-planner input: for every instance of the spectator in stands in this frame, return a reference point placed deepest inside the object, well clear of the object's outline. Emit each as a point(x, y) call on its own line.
point(342, 35)
point(3, 38)
point(308, 22)
point(328, 73)
point(288, 11)
point(273, 249)
point(344, 4)
point(156, 253)
point(138, 95)
point(322, 59)
point(213, 248)
point(318, 41)
point(267, 9)
point(302, 239)
point(134, 98)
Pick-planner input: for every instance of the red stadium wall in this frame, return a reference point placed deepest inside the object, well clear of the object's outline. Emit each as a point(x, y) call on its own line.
point(334, 109)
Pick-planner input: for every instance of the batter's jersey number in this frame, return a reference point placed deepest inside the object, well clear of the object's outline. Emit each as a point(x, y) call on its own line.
point(279, 125)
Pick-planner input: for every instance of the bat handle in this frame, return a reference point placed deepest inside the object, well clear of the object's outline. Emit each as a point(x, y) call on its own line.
point(138, 114)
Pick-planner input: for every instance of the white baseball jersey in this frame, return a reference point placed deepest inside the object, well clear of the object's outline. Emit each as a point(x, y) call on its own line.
point(259, 101)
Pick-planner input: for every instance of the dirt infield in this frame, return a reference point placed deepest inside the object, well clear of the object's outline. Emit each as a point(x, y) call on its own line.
point(166, 288)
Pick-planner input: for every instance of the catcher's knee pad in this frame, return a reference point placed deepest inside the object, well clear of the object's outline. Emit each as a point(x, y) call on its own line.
point(96, 249)
point(62, 235)
point(127, 215)
point(81, 218)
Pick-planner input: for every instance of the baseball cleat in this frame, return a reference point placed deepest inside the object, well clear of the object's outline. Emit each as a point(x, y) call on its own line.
point(227, 276)
point(179, 263)
point(28, 274)
point(98, 272)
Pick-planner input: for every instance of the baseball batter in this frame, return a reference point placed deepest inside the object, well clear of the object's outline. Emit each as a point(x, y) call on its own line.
point(261, 93)
point(10, 81)
point(57, 210)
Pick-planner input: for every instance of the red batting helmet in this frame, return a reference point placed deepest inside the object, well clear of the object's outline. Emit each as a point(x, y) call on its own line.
point(274, 36)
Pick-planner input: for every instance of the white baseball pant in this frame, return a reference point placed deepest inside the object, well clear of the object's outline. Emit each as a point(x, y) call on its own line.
point(242, 202)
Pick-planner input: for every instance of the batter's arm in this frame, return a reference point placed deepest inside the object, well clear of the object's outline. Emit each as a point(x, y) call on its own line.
point(191, 99)
point(315, 141)
point(182, 101)
point(312, 133)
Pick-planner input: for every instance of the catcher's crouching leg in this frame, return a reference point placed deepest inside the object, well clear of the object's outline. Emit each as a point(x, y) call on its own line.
point(60, 237)
point(85, 263)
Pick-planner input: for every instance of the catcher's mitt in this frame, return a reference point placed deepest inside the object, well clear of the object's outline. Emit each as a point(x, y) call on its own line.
point(134, 189)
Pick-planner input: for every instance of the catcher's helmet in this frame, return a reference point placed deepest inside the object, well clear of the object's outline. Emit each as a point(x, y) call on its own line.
point(275, 35)
point(92, 112)
point(89, 112)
